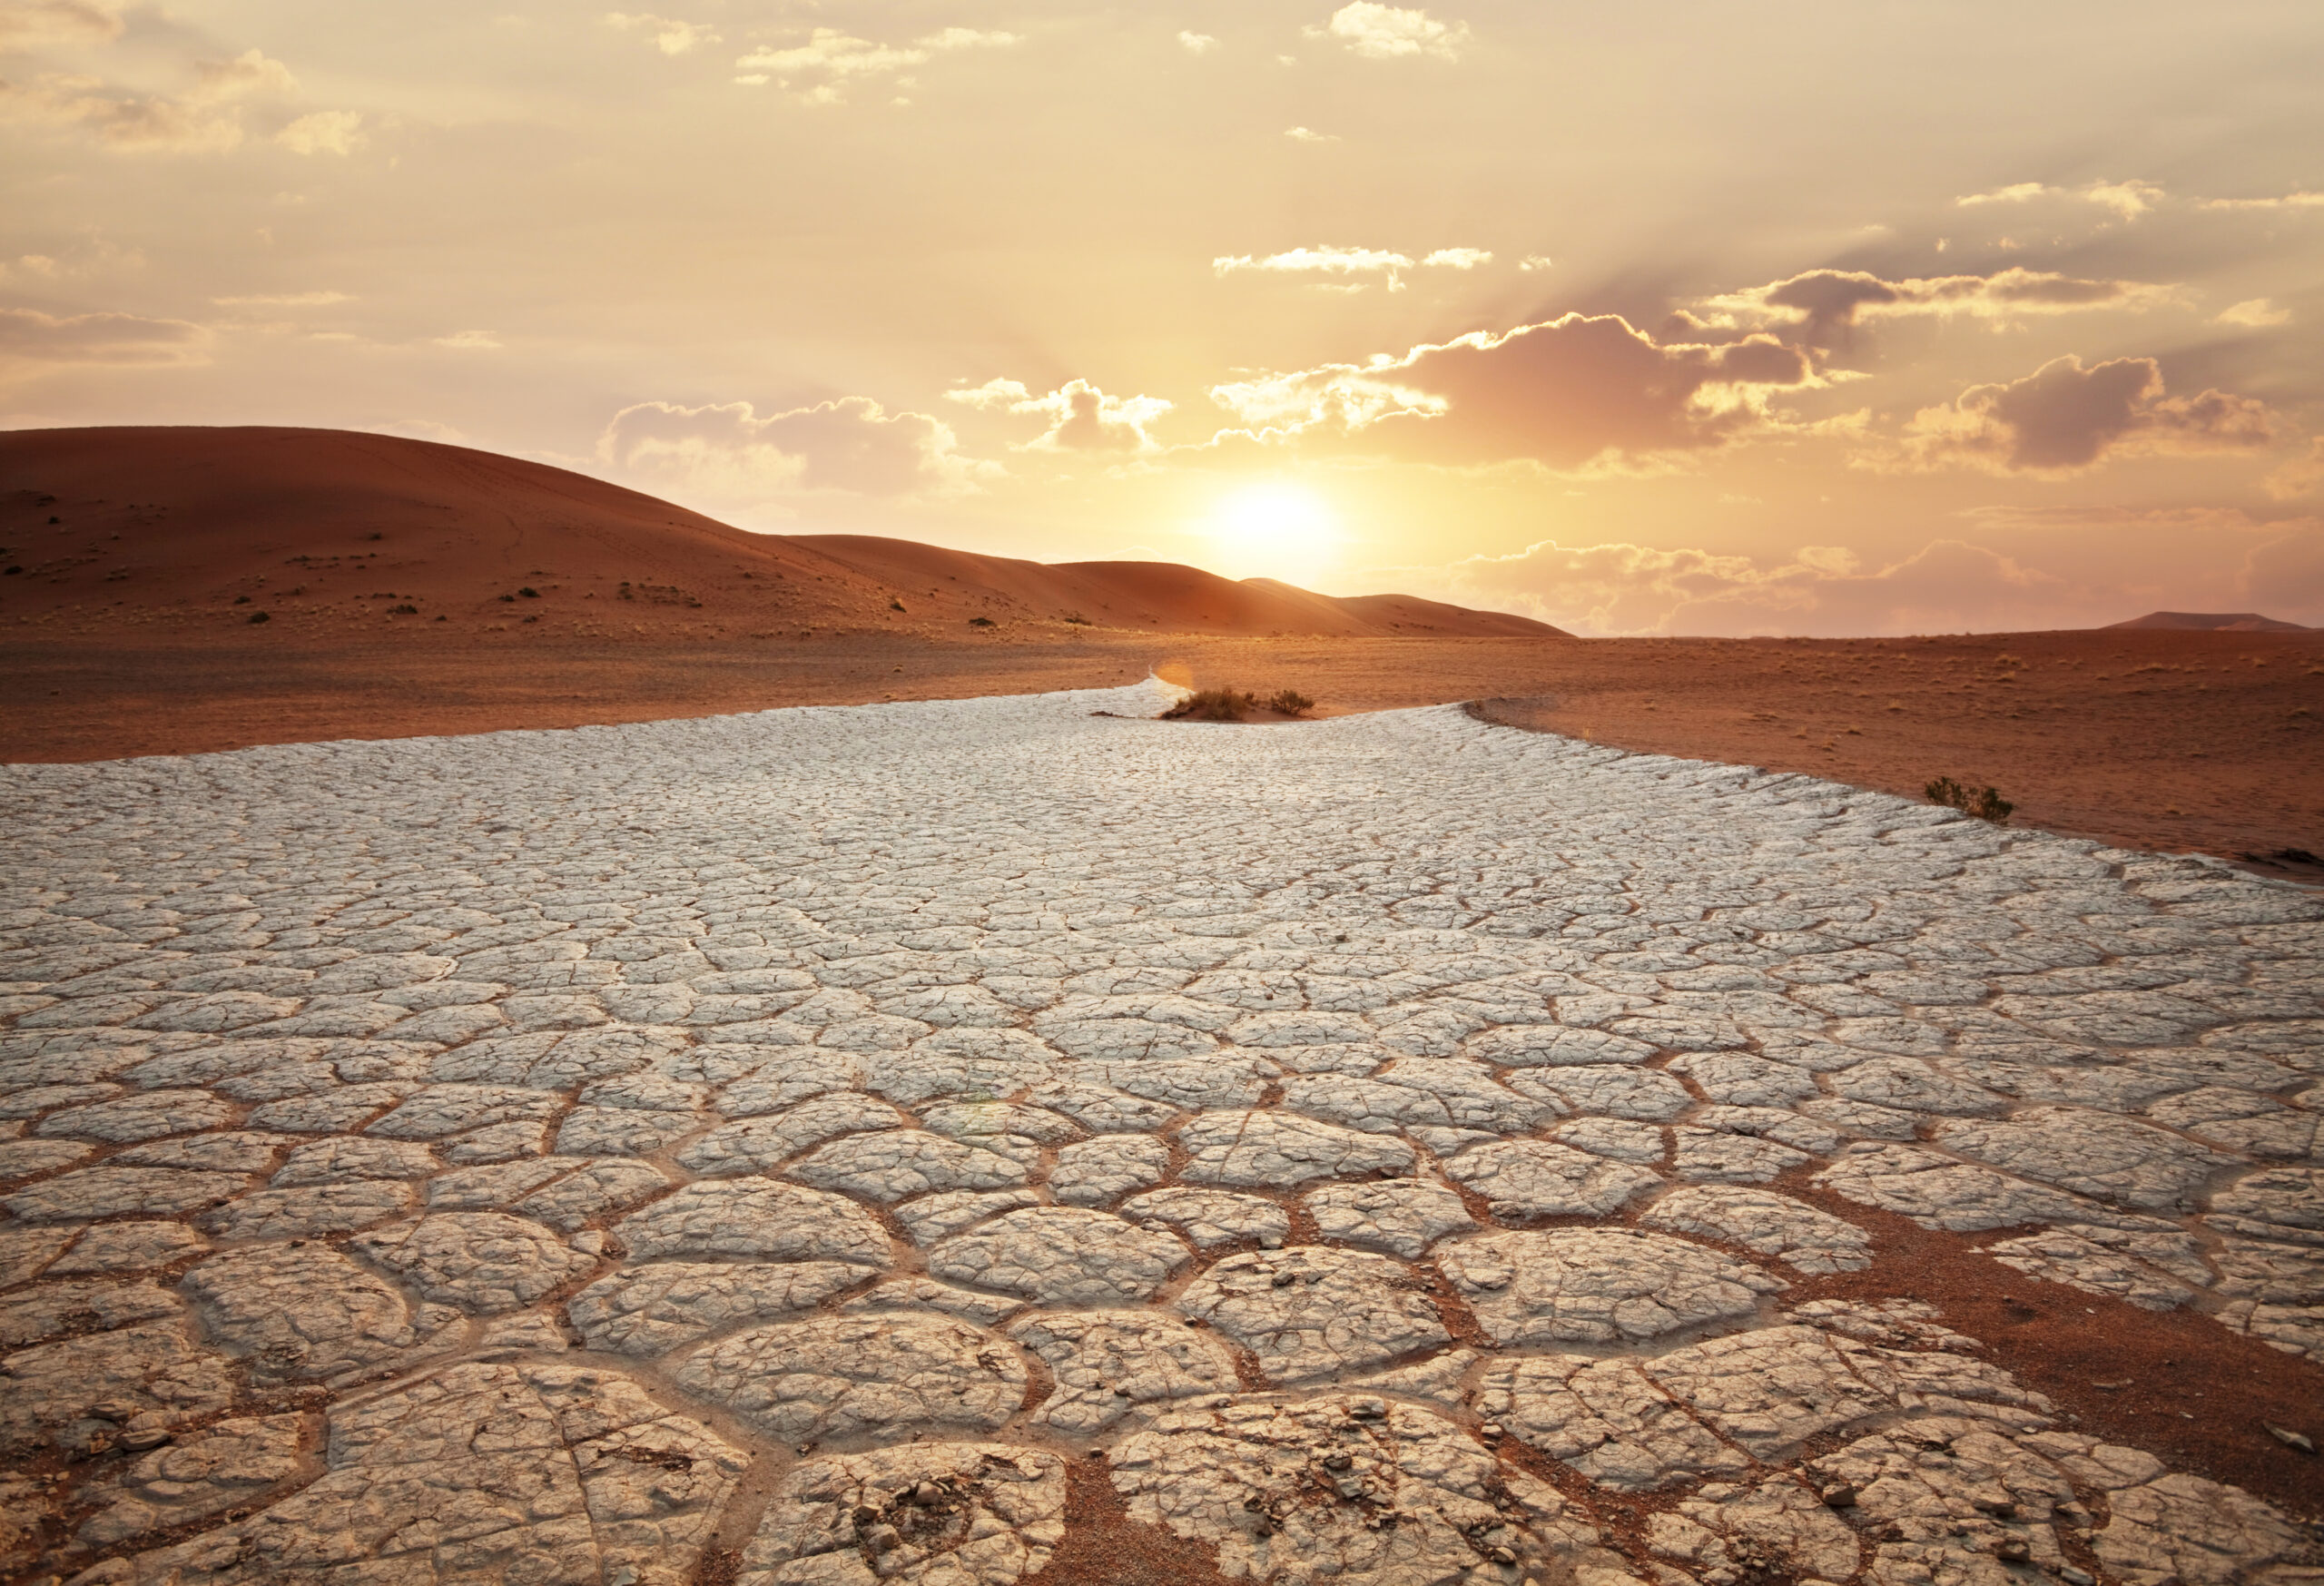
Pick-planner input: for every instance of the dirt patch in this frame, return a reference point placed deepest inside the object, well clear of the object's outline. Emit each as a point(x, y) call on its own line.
point(2175, 1383)
point(1103, 1546)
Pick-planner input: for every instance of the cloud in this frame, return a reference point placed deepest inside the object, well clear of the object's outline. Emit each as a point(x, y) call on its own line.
point(1824, 305)
point(1532, 263)
point(1082, 417)
point(206, 119)
point(325, 131)
point(2303, 475)
point(1303, 135)
point(821, 69)
point(24, 23)
point(1323, 261)
point(1197, 44)
point(670, 35)
point(2290, 200)
point(851, 445)
point(1389, 32)
point(1946, 585)
point(470, 341)
point(2063, 419)
point(297, 300)
point(28, 337)
point(2254, 314)
point(1573, 393)
point(1459, 258)
point(2129, 200)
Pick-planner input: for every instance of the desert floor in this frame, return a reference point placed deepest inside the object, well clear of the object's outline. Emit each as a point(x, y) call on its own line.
point(2212, 742)
point(993, 1141)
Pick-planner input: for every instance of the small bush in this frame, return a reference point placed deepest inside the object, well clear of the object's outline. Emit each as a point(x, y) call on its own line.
point(259, 617)
point(981, 622)
point(529, 593)
point(1984, 804)
point(1211, 705)
point(406, 609)
point(1078, 620)
point(1289, 702)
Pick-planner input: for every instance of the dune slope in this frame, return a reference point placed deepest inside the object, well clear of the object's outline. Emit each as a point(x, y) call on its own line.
point(336, 537)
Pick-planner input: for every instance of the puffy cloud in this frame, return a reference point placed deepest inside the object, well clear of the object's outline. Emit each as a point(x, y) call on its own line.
point(1824, 305)
point(670, 35)
point(1460, 257)
point(2254, 314)
point(2064, 418)
point(206, 119)
point(24, 23)
point(1082, 417)
point(2129, 200)
point(1570, 393)
point(1389, 32)
point(1197, 44)
point(30, 338)
point(851, 444)
point(1536, 261)
point(821, 69)
point(1308, 135)
point(325, 131)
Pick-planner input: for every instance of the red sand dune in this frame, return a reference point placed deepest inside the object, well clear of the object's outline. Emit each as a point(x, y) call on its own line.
point(2211, 622)
point(334, 533)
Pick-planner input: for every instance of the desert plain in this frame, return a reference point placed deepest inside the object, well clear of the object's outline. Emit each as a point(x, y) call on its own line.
point(584, 1048)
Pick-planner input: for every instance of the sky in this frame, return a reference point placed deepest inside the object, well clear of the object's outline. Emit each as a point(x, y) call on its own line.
point(1661, 318)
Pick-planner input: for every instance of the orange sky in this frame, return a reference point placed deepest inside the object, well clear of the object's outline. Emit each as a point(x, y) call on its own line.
point(1822, 318)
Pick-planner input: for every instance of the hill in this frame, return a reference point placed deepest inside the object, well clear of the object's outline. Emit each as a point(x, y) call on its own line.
point(2211, 622)
point(336, 535)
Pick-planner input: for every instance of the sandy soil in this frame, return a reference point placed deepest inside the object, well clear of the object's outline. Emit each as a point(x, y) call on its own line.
point(2181, 741)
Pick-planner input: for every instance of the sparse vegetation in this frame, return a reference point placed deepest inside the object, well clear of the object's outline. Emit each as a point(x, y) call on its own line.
point(529, 593)
point(259, 617)
point(1984, 804)
point(1233, 704)
point(1078, 620)
point(981, 622)
point(1211, 705)
point(406, 609)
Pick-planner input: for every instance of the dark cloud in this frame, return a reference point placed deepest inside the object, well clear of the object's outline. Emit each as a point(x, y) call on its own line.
point(2064, 418)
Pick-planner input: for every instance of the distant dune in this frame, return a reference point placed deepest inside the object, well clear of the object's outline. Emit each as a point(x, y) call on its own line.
point(2211, 622)
point(338, 536)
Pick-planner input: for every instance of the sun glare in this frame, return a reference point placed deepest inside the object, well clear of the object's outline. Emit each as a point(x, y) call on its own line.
point(1274, 530)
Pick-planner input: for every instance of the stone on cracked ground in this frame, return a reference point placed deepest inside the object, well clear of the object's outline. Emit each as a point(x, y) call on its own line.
point(923, 1514)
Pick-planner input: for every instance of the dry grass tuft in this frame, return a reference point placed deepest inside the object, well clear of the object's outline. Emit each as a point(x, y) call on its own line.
point(1984, 804)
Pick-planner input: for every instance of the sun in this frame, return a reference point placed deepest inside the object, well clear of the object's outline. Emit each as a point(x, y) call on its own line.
point(1274, 530)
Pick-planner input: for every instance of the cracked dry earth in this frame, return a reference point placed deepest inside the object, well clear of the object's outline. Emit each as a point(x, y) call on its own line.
point(809, 1148)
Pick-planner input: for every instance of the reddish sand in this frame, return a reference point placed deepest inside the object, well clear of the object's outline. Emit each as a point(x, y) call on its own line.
point(333, 536)
point(2155, 737)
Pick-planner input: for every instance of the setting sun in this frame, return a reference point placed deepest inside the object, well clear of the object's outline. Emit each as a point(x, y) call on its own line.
point(1274, 530)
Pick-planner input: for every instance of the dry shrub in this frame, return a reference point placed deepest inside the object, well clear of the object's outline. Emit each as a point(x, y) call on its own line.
point(1984, 804)
point(1289, 702)
point(1211, 705)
